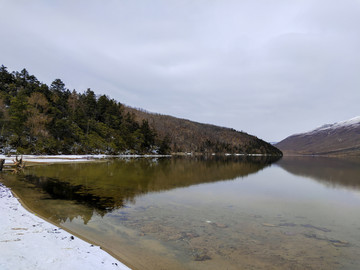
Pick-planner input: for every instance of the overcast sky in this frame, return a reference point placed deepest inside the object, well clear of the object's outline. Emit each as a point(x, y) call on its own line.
point(270, 68)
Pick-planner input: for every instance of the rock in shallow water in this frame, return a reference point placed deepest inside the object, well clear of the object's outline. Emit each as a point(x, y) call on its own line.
point(202, 257)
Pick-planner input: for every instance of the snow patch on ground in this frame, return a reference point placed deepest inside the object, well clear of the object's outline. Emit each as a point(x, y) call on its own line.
point(29, 242)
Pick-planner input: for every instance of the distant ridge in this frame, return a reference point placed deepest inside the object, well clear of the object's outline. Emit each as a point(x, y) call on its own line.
point(341, 138)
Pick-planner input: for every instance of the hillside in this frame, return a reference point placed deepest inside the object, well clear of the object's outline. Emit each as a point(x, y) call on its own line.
point(342, 138)
point(189, 136)
point(39, 119)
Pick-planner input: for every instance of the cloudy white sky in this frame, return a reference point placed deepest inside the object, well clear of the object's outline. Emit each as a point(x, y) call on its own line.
point(270, 68)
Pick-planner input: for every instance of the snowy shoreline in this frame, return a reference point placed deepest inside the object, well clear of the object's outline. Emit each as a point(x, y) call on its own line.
point(29, 242)
point(69, 158)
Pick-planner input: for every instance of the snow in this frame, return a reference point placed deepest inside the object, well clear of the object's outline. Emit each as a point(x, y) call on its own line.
point(353, 122)
point(68, 158)
point(52, 158)
point(28, 242)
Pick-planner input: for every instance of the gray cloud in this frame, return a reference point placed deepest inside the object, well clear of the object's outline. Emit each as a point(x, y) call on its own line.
point(268, 68)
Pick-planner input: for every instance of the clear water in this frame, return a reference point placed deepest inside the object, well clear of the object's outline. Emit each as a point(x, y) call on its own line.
point(215, 213)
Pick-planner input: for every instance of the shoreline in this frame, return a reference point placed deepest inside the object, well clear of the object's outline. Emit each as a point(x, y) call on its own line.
point(30, 242)
point(49, 159)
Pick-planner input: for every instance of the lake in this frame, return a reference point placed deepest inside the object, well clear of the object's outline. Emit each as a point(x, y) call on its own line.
point(205, 213)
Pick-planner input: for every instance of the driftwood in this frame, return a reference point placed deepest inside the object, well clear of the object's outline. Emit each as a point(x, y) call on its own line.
point(2, 161)
point(17, 167)
point(19, 164)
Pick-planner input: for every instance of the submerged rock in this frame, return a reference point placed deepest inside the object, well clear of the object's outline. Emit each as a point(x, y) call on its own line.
point(202, 257)
point(288, 224)
point(314, 236)
point(339, 243)
point(191, 235)
point(221, 225)
point(290, 233)
point(316, 228)
point(334, 242)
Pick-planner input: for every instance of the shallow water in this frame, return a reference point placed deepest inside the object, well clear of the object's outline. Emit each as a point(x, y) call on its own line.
point(215, 213)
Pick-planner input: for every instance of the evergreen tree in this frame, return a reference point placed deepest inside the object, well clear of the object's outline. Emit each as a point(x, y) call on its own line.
point(36, 118)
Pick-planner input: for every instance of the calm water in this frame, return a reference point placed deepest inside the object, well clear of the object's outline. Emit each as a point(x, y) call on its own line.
point(195, 213)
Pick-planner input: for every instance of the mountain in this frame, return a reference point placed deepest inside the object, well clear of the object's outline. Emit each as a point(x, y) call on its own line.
point(189, 136)
point(342, 138)
point(39, 119)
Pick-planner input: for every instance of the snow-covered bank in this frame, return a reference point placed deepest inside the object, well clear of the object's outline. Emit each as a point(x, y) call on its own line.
point(68, 158)
point(29, 242)
point(52, 158)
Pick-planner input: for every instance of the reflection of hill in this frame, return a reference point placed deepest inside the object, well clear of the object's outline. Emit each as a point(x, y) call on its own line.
point(111, 184)
point(329, 171)
point(66, 191)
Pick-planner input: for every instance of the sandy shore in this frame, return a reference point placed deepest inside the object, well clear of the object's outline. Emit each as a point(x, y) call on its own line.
point(29, 242)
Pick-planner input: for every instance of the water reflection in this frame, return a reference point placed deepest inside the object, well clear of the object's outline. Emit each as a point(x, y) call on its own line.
point(333, 172)
point(181, 214)
point(105, 186)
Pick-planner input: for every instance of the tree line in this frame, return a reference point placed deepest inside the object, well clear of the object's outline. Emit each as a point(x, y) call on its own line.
point(39, 119)
point(190, 136)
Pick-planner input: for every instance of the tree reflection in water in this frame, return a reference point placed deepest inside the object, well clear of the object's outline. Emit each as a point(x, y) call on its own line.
point(104, 186)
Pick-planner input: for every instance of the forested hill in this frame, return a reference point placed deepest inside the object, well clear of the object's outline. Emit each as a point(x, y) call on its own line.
point(185, 135)
point(41, 119)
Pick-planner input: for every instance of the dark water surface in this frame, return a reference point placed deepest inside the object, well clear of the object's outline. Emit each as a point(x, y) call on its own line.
point(198, 213)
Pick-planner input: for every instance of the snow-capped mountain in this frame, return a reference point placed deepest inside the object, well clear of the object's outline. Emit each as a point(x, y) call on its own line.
point(351, 123)
point(341, 138)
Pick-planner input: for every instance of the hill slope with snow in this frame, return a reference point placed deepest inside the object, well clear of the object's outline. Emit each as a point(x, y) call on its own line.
point(341, 138)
